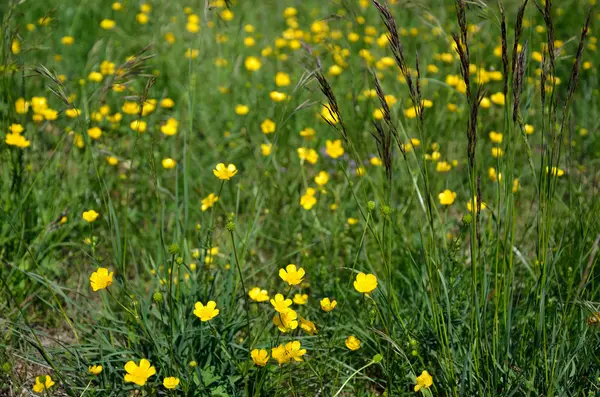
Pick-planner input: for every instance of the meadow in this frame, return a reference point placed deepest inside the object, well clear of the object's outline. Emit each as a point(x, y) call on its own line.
point(299, 198)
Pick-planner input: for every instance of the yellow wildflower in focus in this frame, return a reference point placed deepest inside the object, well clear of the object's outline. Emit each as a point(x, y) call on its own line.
point(139, 374)
point(294, 350)
point(328, 305)
point(17, 140)
point(171, 382)
point(280, 354)
point(90, 216)
point(101, 279)
point(258, 295)
point(225, 172)
point(42, 383)
point(280, 304)
point(365, 283)
point(334, 149)
point(352, 343)
point(209, 201)
point(292, 275)
point(260, 357)
point(447, 197)
point(424, 381)
point(322, 178)
point(268, 126)
point(95, 369)
point(206, 313)
point(286, 321)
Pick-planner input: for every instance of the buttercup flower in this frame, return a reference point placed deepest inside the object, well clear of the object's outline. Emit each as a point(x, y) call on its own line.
point(171, 382)
point(308, 200)
point(139, 374)
point(295, 351)
point(95, 369)
point(308, 326)
point(352, 343)
point(209, 201)
point(281, 304)
point(280, 354)
point(258, 295)
point(328, 305)
point(334, 149)
point(424, 381)
point(90, 216)
point(292, 275)
point(286, 321)
point(300, 299)
point(168, 163)
point(268, 126)
point(43, 383)
point(107, 24)
point(224, 172)
point(447, 197)
point(365, 283)
point(206, 313)
point(260, 357)
point(101, 279)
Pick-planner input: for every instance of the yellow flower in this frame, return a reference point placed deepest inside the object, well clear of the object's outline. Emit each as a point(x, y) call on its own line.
point(168, 163)
point(260, 357)
point(280, 354)
point(334, 149)
point(42, 383)
point(107, 68)
point(139, 374)
point(171, 382)
point(167, 103)
point(101, 279)
point(472, 207)
point(138, 125)
point(309, 155)
point(94, 132)
point(258, 295)
point(17, 140)
point(447, 197)
point(170, 127)
point(286, 321)
point(227, 15)
point(376, 161)
point(294, 350)
point(241, 110)
point(365, 283)
point(277, 96)
point(529, 129)
point(15, 47)
point(191, 53)
point(280, 304)
point(268, 126)
point(308, 326)
point(443, 166)
point(498, 98)
point(107, 24)
point(307, 133)
point(21, 106)
point(308, 200)
point(95, 77)
point(90, 215)
point(209, 201)
point(328, 305)
point(300, 299)
point(206, 313)
point(265, 148)
point(424, 381)
point(353, 343)
point(322, 178)
point(496, 137)
point(67, 40)
point(252, 64)
point(282, 79)
point(555, 171)
point(497, 152)
point(72, 113)
point(142, 18)
point(95, 369)
point(328, 115)
point(225, 172)
point(352, 221)
point(117, 6)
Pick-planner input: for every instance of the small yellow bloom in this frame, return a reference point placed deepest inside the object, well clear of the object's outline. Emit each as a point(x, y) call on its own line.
point(168, 163)
point(282, 79)
point(292, 275)
point(424, 381)
point(94, 132)
point(496, 137)
point(352, 343)
point(101, 279)
point(67, 40)
point(43, 383)
point(294, 350)
point(328, 305)
point(171, 382)
point(280, 304)
point(252, 64)
point(138, 126)
point(90, 216)
point(209, 201)
point(277, 96)
point(447, 197)
point(300, 299)
point(167, 103)
point(280, 354)
point(107, 24)
point(473, 208)
point(322, 178)
point(241, 110)
point(260, 357)
point(334, 149)
point(206, 313)
point(95, 369)
point(265, 148)
point(308, 326)
point(268, 126)
point(258, 295)
point(308, 200)
point(139, 374)
point(286, 321)
point(365, 283)
point(225, 172)
point(498, 98)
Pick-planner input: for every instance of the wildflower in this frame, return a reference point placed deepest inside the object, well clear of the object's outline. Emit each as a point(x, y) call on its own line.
point(206, 313)
point(334, 149)
point(365, 283)
point(280, 354)
point(171, 382)
point(265, 148)
point(94, 132)
point(443, 166)
point(352, 343)
point(116, 6)
point(352, 221)
point(67, 40)
point(424, 381)
point(227, 15)
point(225, 172)
point(308, 200)
point(295, 351)
point(101, 279)
point(241, 110)
point(282, 79)
point(209, 201)
point(142, 18)
point(497, 152)
point(470, 205)
point(191, 53)
point(308, 326)
point(498, 98)
point(138, 125)
point(168, 163)
point(286, 321)
point(258, 295)
point(95, 369)
point(280, 304)
point(329, 115)
point(107, 68)
point(268, 126)
point(139, 374)
point(515, 186)
point(322, 178)
point(309, 155)
point(277, 96)
point(42, 383)
point(107, 24)
point(496, 137)
point(90, 216)
point(252, 64)
point(300, 299)
point(170, 127)
point(167, 103)
point(15, 47)
point(17, 140)
point(529, 129)
point(307, 133)
point(328, 305)
point(21, 106)
point(260, 357)
point(447, 197)
point(555, 171)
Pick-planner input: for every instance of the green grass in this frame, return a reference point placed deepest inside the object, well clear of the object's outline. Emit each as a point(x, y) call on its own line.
point(500, 302)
